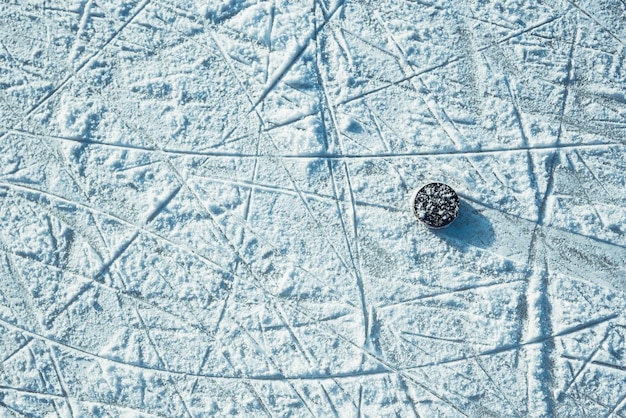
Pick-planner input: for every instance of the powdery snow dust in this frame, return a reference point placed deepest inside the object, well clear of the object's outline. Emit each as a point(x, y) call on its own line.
point(205, 208)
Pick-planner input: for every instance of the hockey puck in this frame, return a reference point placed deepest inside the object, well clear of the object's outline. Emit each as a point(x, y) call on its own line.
point(436, 205)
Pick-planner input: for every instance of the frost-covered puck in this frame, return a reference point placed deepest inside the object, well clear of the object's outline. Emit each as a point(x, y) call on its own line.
point(436, 204)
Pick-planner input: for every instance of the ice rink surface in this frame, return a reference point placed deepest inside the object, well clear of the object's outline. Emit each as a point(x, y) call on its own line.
point(204, 208)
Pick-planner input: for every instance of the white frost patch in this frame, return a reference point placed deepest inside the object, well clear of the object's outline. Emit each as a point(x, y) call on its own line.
point(221, 9)
point(76, 117)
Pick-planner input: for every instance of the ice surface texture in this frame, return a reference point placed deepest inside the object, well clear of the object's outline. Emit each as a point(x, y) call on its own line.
point(203, 208)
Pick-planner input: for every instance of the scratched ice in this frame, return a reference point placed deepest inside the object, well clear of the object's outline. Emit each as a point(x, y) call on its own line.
point(204, 208)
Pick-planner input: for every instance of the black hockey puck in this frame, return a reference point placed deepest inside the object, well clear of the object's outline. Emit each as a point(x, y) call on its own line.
point(436, 204)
